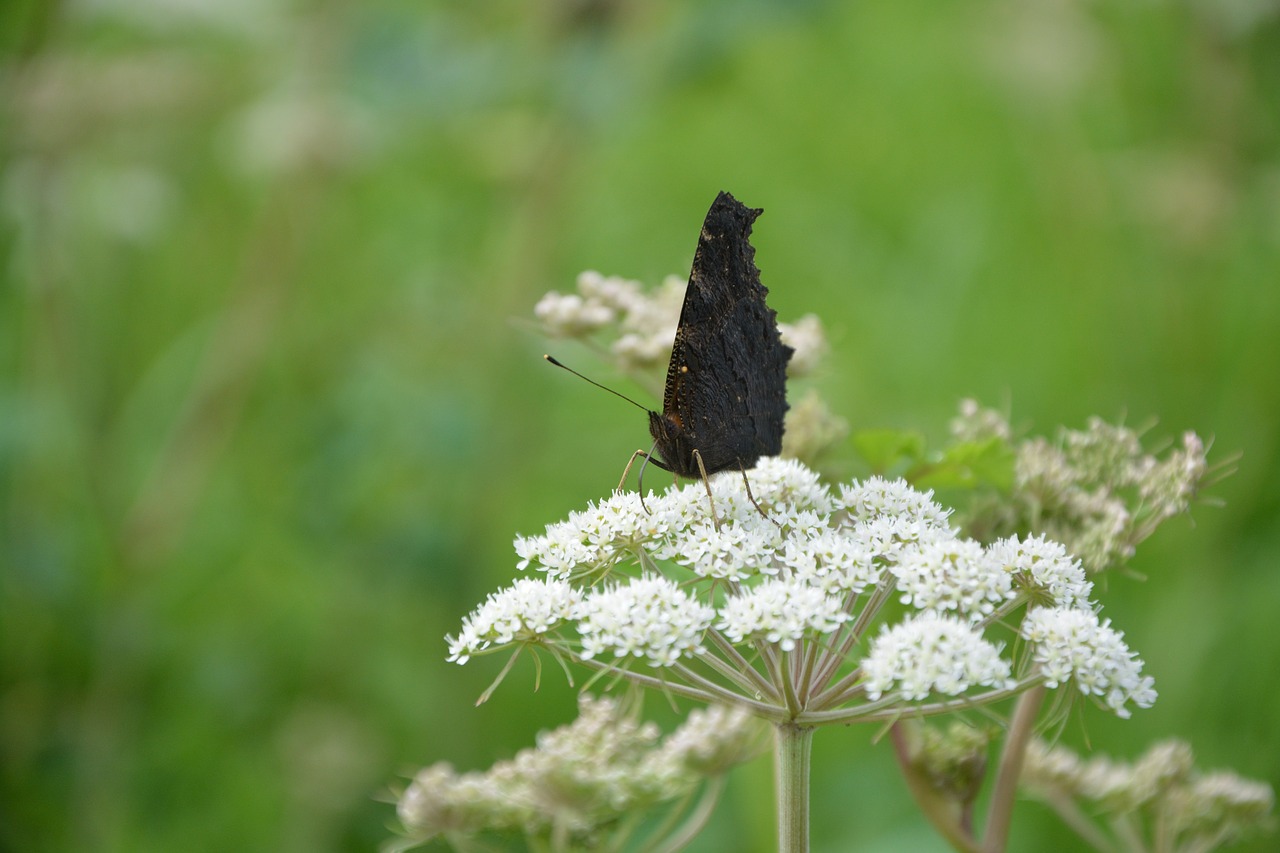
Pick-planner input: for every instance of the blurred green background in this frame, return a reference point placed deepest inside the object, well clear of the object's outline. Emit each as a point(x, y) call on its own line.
point(272, 409)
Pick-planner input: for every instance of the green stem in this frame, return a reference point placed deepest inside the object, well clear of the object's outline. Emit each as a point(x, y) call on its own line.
point(748, 671)
point(789, 687)
point(697, 820)
point(792, 748)
point(1079, 823)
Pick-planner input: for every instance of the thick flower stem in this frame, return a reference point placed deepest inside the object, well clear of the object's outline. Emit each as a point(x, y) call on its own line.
point(792, 748)
point(1021, 727)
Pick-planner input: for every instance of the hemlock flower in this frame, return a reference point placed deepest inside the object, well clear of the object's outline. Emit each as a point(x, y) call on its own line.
point(569, 315)
point(711, 740)
point(525, 610)
point(648, 617)
point(781, 612)
point(1074, 645)
point(952, 575)
point(832, 561)
point(1161, 792)
point(809, 341)
point(581, 778)
point(1096, 490)
point(932, 653)
point(1044, 569)
point(791, 609)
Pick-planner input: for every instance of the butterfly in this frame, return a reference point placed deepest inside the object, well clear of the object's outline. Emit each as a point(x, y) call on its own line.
point(726, 395)
point(726, 392)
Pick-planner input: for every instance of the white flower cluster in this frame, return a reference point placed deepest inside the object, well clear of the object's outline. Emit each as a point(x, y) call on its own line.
point(1073, 644)
point(1167, 486)
point(711, 740)
point(974, 423)
point(932, 653)
point(566, 315)
point(807, 338)
point(781, 612)
point(1094, 490)
point(644, 323)
point(678, 587)
point(1040, 565)
point(1194, 811)
point(650, 617)
point(580, 777)
point(960, 576)
point(953, 575)
point(1101, 494)
point(526, 610)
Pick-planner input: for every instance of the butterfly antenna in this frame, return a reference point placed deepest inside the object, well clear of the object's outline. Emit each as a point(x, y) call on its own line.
point(595, 383)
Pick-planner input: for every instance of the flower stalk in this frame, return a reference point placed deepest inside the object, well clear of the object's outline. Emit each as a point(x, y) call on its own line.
point(793, 747)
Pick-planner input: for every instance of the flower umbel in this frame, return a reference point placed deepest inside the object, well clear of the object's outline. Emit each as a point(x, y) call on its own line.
point(1193, 810)
point(580, 780)
point(1095, 490)
point(827, 608)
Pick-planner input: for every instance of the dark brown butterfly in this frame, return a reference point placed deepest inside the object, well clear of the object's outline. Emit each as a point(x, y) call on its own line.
point(726, 393)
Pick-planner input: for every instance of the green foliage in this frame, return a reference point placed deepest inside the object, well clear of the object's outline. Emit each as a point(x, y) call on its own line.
point(958, 465)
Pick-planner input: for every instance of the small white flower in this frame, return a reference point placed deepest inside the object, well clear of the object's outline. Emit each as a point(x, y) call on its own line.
point(615, 527)
point(1167, 487)
point(640, 352)
point(832, 560)
point(647, 618)
point(932, 653)
point(1072, 644)
point(612, 291)
point(559, 552)
point(952, 575)
point(975, 423)
point(782, 612)
point(523, 611)
point(440, 800)
point(734, 551)
point(1222, 799)
point(1043, 565)
point(806, 337)
point(877, 497)
point(710, 741)
point(569, 315)
point(776, 481)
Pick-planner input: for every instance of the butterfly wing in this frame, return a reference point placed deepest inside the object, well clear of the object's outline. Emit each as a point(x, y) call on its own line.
point(726, 386)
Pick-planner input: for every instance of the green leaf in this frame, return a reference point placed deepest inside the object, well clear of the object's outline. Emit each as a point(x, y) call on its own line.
point(968, 465)
point(885, 449)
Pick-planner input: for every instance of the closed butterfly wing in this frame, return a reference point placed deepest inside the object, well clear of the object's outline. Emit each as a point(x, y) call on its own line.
point(725, 394)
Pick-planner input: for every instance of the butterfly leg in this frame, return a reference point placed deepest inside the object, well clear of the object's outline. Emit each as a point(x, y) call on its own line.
point(697, 457)
point(648, 457)
point(752, 497)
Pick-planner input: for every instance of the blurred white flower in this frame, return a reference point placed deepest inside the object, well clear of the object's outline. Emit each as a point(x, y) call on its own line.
point(569, 315)
point(809, 341)
point(1161, 792)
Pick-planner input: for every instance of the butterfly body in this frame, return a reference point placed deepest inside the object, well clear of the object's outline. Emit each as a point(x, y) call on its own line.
point(725, 396)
